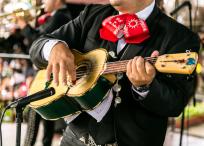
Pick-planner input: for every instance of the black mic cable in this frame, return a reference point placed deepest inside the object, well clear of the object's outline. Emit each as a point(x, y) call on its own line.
point(1, 120)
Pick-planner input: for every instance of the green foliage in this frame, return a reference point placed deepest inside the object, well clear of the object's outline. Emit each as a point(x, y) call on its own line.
point(196, 111)
point(8, 116)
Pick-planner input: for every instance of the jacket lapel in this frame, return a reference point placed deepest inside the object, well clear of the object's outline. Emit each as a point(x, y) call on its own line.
point(130, 51)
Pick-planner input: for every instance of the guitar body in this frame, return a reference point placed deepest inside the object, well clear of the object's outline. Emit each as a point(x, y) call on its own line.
point(88, 92)
point(62, 106)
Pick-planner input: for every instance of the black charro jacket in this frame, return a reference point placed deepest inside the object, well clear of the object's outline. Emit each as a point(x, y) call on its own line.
point(133, 122)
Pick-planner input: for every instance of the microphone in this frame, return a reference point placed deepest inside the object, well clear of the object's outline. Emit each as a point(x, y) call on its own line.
point(22, 102)
point(186, 3)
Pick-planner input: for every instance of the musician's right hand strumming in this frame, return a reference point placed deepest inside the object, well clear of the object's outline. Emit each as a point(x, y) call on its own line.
point(61, 61)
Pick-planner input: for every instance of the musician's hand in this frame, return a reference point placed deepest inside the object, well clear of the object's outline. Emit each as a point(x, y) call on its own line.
point(61, 61)
point(141, 72)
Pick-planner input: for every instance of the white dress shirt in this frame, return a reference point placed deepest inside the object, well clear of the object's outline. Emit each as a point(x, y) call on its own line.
point(99, 112)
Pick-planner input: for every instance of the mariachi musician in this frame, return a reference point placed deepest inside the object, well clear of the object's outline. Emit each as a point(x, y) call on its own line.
point(148, 97)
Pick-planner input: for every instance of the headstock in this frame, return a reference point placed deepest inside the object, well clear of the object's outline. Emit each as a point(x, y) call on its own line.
point(181, 63)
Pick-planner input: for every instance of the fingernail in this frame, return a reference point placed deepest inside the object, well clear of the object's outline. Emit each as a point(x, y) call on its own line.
point(47, 79)
point(56, 83)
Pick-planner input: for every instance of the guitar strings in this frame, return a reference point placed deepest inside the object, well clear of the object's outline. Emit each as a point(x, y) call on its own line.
point(123, 61)
point(113, 66)
point(117, 64)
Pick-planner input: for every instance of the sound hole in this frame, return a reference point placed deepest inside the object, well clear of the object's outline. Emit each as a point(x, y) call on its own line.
point(83, 69)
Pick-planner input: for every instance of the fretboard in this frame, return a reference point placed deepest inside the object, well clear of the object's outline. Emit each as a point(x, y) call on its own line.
point(121, 66)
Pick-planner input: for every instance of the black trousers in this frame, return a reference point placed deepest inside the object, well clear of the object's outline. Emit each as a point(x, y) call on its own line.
point(70, 139)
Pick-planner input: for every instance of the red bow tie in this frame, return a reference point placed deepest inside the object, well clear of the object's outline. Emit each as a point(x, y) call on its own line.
point(43, 18)
point(129, 26)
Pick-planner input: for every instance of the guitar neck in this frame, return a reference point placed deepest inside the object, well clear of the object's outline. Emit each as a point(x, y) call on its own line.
point(121, 66)
point(180, 63)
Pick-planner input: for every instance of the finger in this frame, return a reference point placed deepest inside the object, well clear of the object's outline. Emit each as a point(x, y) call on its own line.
point(141, 67)
point(63, 71)
point(155, 53)
point(150, 70)
point(72, 72)
point(129, 67)
point(134, 67)
point(56, 74)
point(48, 72)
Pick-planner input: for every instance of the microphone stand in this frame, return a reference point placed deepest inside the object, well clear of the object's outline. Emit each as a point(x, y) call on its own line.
point(21, 103)
point(19, 120)
point(189, 5)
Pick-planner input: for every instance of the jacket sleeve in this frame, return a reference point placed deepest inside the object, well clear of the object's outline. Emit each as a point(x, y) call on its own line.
point(170, 93)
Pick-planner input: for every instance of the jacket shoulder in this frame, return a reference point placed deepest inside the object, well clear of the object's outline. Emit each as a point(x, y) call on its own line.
point(177, 32)
point(99, 8)
point(95, 11)
point(174, 27)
